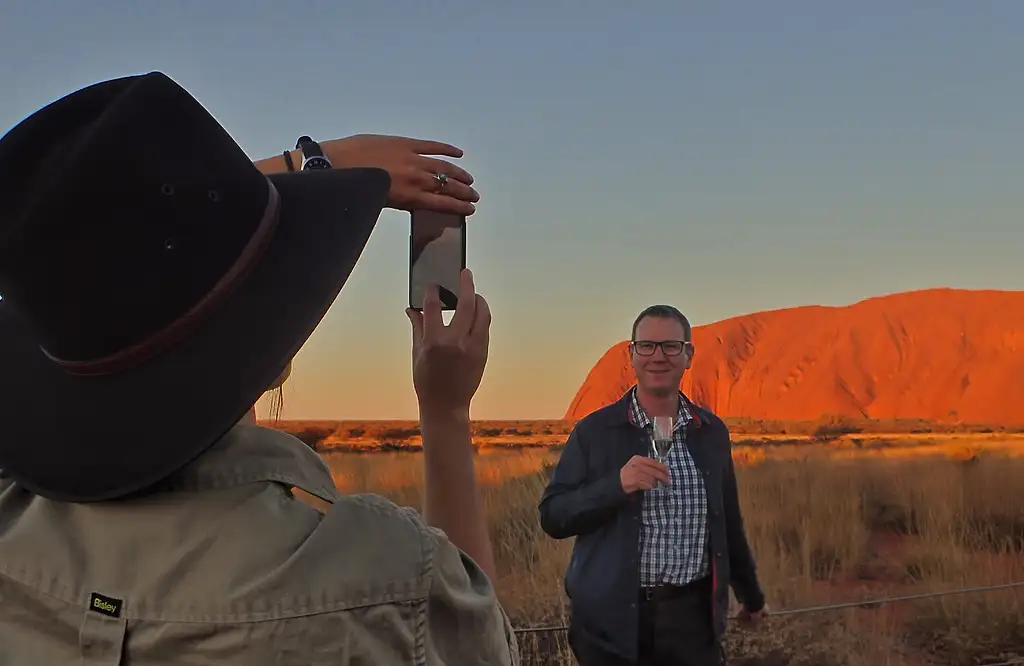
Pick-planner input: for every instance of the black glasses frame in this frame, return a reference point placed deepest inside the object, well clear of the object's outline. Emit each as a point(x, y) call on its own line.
point(683, 344)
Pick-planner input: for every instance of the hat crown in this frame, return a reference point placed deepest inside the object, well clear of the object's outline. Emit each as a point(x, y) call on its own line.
point(129, 203)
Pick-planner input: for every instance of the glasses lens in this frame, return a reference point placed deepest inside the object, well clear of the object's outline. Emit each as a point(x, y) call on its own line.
point(672, 347)
point(645, 348)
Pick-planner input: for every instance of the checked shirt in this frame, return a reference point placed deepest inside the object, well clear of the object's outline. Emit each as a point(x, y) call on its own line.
point(674, 533)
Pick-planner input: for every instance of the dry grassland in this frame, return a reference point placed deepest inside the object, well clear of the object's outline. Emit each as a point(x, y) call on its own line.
point(831, 518)
point(839, 433)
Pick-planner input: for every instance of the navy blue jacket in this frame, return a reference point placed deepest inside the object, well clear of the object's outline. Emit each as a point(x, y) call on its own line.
point(585, 499)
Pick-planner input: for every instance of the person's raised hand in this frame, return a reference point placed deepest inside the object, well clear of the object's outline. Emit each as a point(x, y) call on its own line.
point(448, 361)
point(414, 175)
point(642, 473)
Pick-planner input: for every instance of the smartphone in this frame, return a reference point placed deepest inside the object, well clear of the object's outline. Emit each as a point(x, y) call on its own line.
point(437, 256)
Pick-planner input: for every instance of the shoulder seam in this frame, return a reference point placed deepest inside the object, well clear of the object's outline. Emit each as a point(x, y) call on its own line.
point(428, 554)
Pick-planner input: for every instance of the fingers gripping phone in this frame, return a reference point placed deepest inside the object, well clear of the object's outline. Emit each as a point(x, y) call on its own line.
point(437, 256)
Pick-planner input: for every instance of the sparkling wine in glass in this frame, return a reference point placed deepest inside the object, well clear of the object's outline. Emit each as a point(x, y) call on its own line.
point(664, 427)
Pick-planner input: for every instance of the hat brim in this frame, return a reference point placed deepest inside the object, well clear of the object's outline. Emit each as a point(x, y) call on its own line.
point(81, 439)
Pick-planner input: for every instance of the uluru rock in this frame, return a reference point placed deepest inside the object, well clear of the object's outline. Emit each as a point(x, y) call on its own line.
point(941, 354)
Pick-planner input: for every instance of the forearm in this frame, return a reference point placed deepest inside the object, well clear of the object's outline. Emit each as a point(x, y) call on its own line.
point(453, 501)
point(743, 572)
point(742, 567)
point(277, 164)
point(583, 510)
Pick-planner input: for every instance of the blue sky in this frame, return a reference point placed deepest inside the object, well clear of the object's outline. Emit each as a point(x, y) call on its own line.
point(722, 157)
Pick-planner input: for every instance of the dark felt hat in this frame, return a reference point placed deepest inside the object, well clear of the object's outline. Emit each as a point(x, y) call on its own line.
point(154, 283)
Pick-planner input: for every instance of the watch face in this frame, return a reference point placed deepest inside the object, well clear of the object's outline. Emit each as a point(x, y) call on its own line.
point(316, 163)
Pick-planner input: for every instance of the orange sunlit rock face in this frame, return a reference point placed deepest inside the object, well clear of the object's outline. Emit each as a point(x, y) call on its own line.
point(942, 354)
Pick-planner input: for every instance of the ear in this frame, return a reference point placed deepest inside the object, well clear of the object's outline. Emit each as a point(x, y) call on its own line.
point(632, 356)
point(690, 351)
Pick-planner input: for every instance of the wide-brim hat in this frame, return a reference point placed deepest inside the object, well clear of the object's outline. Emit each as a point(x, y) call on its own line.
point(154, 283)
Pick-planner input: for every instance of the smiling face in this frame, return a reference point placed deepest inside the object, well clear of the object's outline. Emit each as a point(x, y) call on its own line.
point(661, 353)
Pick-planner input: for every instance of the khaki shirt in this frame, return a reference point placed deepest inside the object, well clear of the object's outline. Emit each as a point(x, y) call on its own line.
point(226, 568)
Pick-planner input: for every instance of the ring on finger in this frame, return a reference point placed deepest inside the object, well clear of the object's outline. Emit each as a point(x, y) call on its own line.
point(441, 179)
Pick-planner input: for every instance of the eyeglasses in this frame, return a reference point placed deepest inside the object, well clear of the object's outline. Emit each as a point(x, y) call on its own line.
point(668, 347)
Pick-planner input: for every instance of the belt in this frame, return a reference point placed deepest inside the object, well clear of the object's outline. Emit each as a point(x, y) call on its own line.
point(668, 591)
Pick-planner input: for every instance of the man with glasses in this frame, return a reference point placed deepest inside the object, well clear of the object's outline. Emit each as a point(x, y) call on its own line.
point(658, 544)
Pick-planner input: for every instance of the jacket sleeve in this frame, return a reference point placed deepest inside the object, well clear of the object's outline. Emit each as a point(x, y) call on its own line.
point(574, 504)
point(742, 569)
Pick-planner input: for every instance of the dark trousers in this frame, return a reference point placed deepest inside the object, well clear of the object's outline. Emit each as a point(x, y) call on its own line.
point(675, 626)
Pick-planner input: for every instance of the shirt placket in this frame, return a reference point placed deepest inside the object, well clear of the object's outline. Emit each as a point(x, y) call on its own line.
point(675, 524)
point(662, 545)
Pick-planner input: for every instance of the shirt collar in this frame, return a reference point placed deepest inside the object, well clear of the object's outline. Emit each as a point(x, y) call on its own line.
point(252, 454)
point(639, 417)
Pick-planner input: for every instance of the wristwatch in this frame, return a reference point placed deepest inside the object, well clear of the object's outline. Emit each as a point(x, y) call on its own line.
point(312, 154)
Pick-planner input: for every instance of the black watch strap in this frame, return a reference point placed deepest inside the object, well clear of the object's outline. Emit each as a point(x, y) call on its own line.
point(312, 154)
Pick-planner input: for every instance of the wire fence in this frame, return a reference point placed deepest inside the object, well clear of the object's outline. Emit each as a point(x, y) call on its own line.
point(869, 604)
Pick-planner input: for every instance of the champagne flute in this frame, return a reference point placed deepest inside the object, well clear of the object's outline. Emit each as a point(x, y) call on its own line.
point(664, 427)
point(661, 438)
